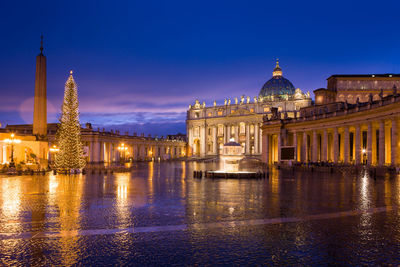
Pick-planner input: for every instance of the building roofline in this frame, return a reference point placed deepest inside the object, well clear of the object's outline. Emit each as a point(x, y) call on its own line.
point(385, 75)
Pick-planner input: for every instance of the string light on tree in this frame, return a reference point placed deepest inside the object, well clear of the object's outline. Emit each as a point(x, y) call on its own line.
point(68, 137)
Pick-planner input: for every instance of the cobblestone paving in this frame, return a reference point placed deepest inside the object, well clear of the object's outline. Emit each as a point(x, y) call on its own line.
point(159, 215)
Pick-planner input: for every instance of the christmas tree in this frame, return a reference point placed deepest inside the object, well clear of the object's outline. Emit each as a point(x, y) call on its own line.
point(68, 137)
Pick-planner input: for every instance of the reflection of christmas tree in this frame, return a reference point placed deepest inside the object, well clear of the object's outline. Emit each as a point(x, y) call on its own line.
point(70, 155)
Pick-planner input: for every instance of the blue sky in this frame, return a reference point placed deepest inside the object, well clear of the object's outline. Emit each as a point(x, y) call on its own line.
point(139, 64)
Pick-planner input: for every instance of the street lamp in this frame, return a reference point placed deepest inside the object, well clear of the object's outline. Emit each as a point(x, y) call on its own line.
point(54, 150)
point(12, 141)
point(122, 149)
point(364, 153)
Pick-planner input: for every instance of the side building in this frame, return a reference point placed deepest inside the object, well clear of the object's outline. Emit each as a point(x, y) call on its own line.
point(240, 119)
point(100, 146)
point(350, 87)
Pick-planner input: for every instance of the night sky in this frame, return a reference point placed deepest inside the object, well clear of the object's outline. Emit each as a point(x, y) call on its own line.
point(139, 64)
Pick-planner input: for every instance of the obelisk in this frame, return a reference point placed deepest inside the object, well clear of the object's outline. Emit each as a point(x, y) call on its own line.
point(40, 105)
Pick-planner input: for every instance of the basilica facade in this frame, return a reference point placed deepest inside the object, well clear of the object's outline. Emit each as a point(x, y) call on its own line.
point(240, 119)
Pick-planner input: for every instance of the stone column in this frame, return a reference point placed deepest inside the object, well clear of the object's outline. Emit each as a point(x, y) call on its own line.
point(394, 142)
point(335, 147)
point(346, 146)
point(256, 139)
point(91, 148)
point(259, 140)
point(314, 147)
point(382, 143)
point(162, 151)
point(357, 150)
point(113, 154)
point(215, 140)
point(324, 156)
point(228, 136)
point(96, 151)
point(101, 151)
point(225, 134)
point(295, 146)
point(279, 139)
point(117, 155)
point(109, 152)
point(190, 140)
point(265, 149)
point(248, 150)
point(203, 141)
point(236, 133)
point(369, 144)
point(304, 148)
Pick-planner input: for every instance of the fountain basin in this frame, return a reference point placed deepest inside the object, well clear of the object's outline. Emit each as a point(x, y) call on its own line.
point(235, 175)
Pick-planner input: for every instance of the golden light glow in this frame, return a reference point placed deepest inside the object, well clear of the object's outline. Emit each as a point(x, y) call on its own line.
point(122, 147)
point(11, 198)
point(54, 149)
point(12, 140)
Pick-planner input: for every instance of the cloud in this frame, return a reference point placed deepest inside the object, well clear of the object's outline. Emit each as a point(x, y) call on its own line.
point(151, 106)
point(137, 118)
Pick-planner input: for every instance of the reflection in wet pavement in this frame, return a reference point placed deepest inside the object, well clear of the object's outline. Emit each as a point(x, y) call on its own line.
point(159, 214)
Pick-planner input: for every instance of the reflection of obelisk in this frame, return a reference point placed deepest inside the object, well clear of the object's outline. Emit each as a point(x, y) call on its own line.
point(40, 106)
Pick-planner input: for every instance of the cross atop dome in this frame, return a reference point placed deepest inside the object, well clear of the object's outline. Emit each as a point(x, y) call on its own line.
point(277, 71)
point(41, 44)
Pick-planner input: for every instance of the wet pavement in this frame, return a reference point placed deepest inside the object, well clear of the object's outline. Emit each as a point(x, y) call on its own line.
point(160, 215)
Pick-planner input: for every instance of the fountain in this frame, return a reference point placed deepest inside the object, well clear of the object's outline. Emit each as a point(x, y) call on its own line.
point(232, 154)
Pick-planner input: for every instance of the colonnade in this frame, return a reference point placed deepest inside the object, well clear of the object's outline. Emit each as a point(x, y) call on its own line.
point(106, 151)
point(372, 142)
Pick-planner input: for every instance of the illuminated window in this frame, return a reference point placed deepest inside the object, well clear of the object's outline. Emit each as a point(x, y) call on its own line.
point(209, 114)
point(220, 113)
point(232, 111)
point(279, 108)
point(252, 110)
point(320, 99)
point(266, 109)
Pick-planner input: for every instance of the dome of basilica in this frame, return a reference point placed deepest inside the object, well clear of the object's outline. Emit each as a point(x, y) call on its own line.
point(277, 86)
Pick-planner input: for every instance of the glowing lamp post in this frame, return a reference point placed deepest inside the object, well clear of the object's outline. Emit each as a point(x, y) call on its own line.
point(122, 149)
point(364, 153)
point(12, 141)
point(54, 150)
